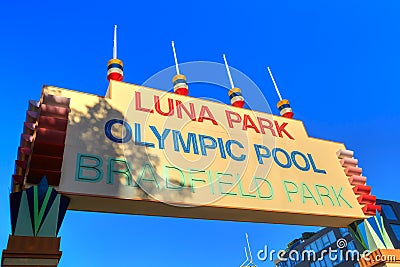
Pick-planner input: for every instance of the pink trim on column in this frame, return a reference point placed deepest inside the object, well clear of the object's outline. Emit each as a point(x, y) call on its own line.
point(349, 171)
point(349, 162)
point(355, 180)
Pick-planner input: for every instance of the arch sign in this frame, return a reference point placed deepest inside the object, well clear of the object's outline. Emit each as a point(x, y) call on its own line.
point(144, 151)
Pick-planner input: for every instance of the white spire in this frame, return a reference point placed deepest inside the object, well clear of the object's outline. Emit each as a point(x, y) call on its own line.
point(273, 81)
point(175, 58)
point(115, 42)
point(228, 71)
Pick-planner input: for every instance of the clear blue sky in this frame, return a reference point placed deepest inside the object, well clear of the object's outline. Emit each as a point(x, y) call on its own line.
point(337, 61)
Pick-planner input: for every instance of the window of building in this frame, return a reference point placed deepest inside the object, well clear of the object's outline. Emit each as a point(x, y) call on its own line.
point(331, 236)
point(328, 261)
point(323, 262)
point(338, 258)
point(325, 241)
point(319, 244)
point(388, 212)
point(317, 263)
point(293, 262)
point(313, 246)
point(396, 230)
point(351, 245)
point(344, 231)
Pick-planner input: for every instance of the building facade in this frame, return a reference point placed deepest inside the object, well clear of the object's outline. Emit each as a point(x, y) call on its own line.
point(312, 250)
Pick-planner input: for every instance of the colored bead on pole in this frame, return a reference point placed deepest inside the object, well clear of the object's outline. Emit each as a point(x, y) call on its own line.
point(283, 104)
point(115, 70)
point(180, 84)
point(235, 94)
point(237, 100)
point(179, 80)
point(284, 108)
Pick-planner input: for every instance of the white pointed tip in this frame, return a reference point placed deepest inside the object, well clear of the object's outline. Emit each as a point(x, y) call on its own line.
point(115, 42)
point(225, 61)
point(175, 58)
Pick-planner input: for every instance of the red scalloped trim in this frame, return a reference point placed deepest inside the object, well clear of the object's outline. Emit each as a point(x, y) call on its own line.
point(358, 182)
point(42, 143)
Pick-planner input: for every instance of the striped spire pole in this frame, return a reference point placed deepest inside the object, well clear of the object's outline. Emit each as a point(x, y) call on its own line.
point(283, 104)
point(179, 80)
point(115, 66)
point(235, 94)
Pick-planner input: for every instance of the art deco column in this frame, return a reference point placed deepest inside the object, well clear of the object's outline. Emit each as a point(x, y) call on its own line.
point(36, 217)
point(370, 234)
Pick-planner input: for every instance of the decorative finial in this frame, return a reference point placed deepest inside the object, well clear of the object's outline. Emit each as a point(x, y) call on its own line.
point(115, 66)
point(235, 94)
point(179, 80)
point(283, 104)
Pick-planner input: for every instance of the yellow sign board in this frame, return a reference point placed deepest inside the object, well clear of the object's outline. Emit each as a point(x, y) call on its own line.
point(145, 151)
